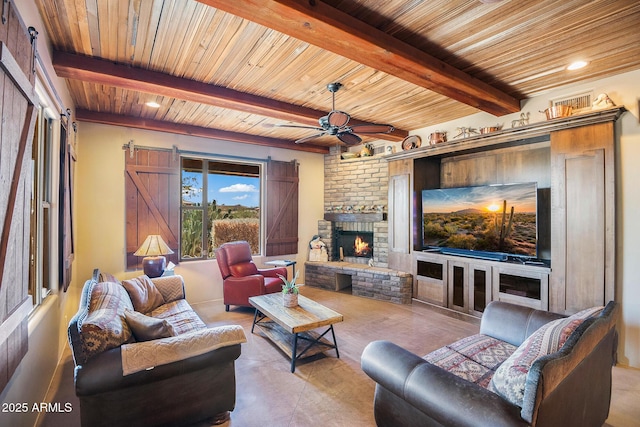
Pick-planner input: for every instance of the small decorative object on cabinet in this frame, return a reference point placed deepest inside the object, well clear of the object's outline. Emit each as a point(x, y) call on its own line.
point(465, 132)
point(558, 111)
point(437, 137)
point(489, 129)
point(412, 141)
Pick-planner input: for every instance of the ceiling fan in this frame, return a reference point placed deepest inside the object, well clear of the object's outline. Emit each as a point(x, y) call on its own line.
point(336, 123)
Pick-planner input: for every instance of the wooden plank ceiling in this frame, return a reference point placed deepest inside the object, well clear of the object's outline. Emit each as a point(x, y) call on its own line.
point(241, 69)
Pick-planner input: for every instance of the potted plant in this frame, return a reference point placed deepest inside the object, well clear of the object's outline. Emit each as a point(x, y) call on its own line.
point(290, 290)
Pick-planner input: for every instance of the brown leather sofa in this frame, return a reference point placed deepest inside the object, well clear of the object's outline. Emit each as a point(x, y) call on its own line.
point(123, 380)
point(242, 278)
point(569, 387)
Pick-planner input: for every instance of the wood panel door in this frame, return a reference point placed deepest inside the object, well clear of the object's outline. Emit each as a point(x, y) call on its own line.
point(583, 219)
point(399, 208)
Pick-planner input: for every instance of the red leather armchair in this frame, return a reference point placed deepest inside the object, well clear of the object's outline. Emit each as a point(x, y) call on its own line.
point(242, 278)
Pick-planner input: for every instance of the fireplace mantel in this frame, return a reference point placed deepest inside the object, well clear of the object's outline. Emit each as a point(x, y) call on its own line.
point(355, 217)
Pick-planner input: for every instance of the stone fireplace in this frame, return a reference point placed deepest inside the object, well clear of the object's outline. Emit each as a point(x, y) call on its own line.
point(355, 205)
point(355, 200)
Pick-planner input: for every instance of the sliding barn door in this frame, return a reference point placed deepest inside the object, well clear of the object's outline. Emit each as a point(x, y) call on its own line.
point(17, 107)
point(152, 189)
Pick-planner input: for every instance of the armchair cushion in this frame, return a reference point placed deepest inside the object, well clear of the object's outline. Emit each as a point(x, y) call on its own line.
point(147, 328)
point(473, 358)
point(510, 378)
point(143, 293)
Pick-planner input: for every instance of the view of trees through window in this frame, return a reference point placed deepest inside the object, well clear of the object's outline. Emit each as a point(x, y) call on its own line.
point(221, 207)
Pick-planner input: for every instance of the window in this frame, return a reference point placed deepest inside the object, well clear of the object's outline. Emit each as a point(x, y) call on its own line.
point(40, 250)
point(198, 202)
point(220, 203)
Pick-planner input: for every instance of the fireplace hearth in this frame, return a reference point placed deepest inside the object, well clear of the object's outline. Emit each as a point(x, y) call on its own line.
point(349, 243)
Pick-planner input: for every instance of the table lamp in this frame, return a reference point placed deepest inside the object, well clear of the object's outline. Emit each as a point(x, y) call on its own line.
point(152, 250)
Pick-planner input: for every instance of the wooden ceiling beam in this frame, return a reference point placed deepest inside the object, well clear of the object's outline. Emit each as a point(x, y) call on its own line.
point(324, 26)
point(98, 71)
point(182, 129)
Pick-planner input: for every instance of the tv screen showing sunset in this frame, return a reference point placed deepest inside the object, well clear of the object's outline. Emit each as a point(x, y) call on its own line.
point(497, 218)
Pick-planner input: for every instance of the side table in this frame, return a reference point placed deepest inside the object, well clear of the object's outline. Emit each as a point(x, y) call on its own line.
point(283, 263)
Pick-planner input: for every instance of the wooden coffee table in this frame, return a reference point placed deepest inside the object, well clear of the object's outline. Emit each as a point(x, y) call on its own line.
point(285, 326)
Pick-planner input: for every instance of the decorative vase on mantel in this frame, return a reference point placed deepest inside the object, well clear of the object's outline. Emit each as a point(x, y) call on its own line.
point(290, 300)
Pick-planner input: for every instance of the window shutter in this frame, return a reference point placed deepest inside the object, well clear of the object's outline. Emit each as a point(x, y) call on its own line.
point(17, 108)
point(282, 208)
point(152, 190)
point(65, 205)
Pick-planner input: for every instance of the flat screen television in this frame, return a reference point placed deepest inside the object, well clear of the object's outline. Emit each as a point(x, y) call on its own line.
point(493, 220)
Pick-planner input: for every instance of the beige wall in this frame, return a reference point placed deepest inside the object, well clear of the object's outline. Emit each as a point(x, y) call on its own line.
point(623, 89)
point(100, 201)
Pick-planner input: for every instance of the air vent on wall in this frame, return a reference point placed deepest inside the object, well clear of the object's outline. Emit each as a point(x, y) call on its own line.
point(378, 150)
point(579, 101)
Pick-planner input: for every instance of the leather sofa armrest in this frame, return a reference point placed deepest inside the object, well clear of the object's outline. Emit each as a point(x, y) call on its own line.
point(441, 395)
point(513, 323)
point(273, 272)
point(103, 373)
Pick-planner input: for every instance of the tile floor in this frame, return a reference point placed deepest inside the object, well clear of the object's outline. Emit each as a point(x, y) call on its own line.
point(324, 390)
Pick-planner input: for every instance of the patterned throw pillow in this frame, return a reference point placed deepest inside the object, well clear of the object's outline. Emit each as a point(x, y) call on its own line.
point(510, 378)
point(144, 294)
point(171, 287)
point(107, 277)
point(105, 327)
point(147, 328)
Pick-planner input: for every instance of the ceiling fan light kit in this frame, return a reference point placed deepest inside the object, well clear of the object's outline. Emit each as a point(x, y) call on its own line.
point(336, 121)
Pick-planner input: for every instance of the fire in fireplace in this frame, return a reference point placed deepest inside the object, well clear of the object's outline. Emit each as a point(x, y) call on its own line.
point(353, 243)
point(361, 248)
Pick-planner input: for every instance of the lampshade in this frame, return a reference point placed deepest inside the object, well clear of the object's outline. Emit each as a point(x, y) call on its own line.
point(152, 250)
point(153, 245)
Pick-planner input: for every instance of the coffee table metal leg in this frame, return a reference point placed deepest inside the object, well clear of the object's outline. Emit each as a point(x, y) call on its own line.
point(255, 319)
point(293, 354)
point(335, 343)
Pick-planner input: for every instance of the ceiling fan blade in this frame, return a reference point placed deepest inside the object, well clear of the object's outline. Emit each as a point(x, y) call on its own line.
point(373, 128)
point(307, 138)
point(349, 138)
point(299, 127)
point(338, 118)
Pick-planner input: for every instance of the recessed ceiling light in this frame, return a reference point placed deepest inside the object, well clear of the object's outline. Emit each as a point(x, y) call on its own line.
point(152, 104)
point(577, 65)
